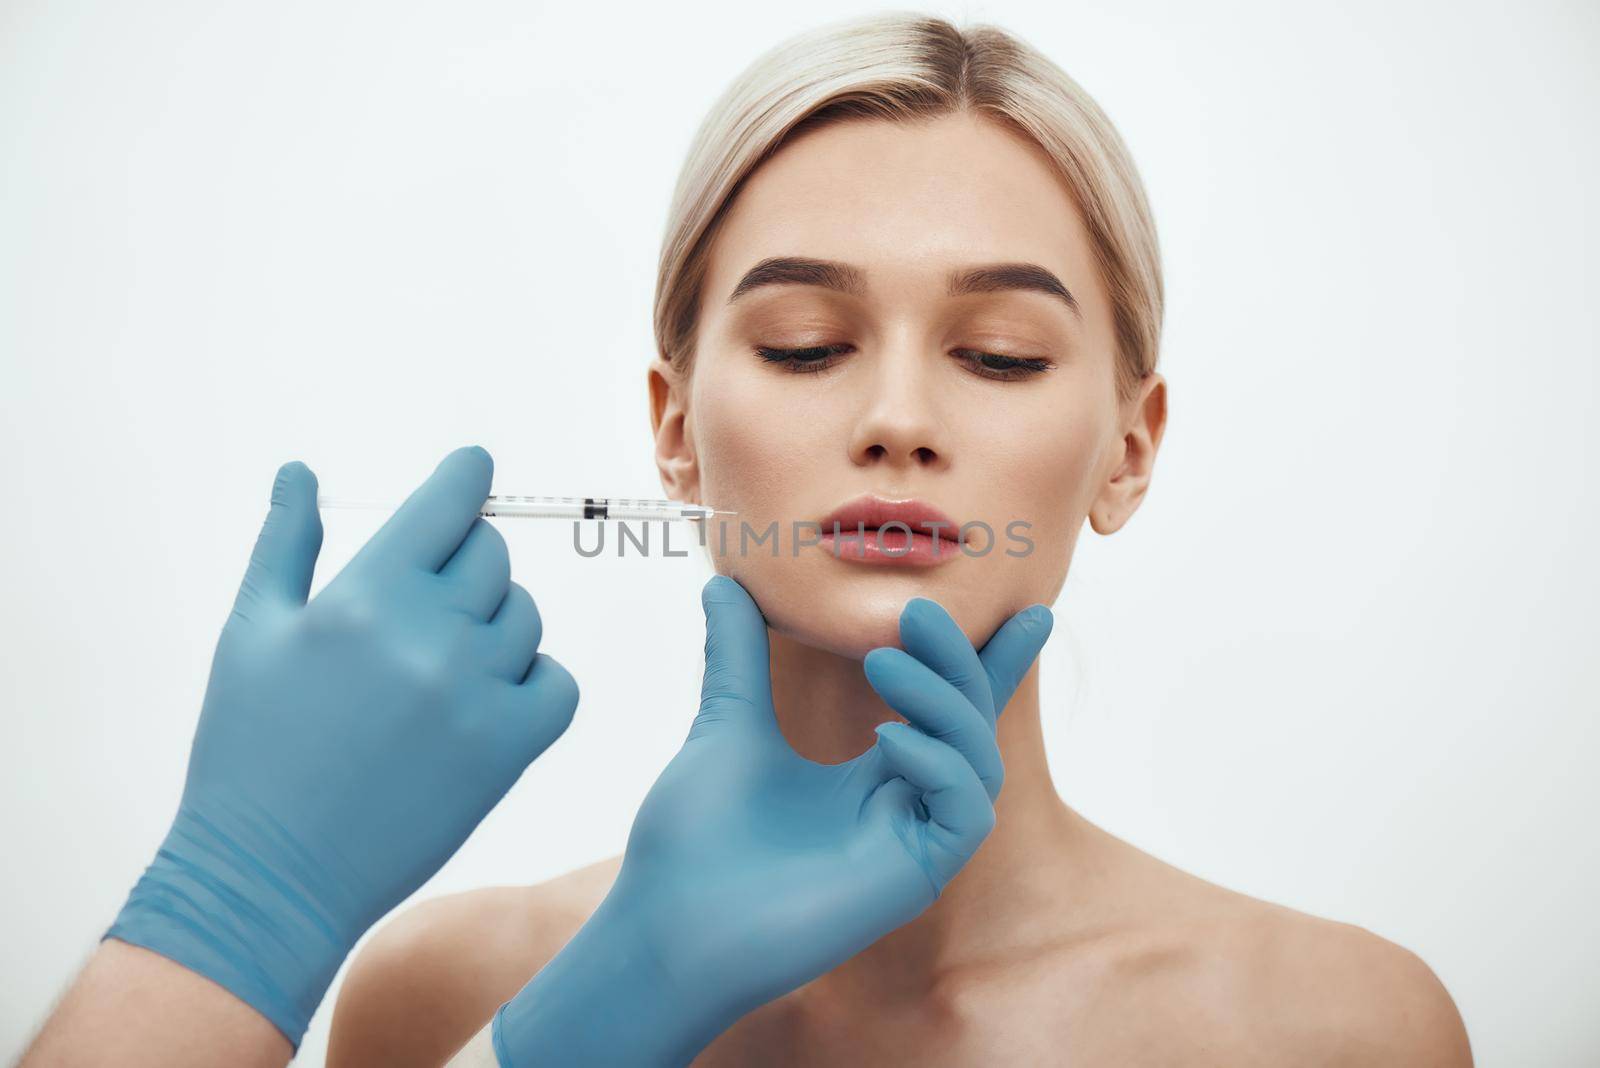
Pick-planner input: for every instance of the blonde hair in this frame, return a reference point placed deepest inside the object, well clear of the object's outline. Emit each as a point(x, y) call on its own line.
point(905, 66)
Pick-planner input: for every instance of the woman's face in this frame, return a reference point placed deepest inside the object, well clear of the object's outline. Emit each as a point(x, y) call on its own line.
point(994, 402)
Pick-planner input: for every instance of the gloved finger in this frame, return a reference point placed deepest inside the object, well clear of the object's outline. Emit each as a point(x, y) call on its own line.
point(430, 525)
point(736, 692)
point(285, 554)
point(938, 709)
point(512, 635)
point(957, 804)
point(549, 699)
point(1009, 654)
point(476, 577)
point(928, 633)
point(893, 806)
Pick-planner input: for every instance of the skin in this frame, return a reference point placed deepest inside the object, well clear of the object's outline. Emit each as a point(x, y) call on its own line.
point(1058, 943)
point(132, 1007)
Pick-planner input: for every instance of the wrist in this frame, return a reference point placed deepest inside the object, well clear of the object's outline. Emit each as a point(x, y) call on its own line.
point(208, 902)
point(609, 997)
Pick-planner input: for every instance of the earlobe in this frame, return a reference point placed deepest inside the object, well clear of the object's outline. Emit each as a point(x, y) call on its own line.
point(669, 422)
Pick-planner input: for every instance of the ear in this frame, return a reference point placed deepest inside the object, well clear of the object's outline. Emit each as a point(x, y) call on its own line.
point(669, 422)
point(1144, 423)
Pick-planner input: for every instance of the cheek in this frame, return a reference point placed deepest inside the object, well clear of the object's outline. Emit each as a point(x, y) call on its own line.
point(744, 447)
point(759, 455)
point(1043, 472)
point(1046, 472)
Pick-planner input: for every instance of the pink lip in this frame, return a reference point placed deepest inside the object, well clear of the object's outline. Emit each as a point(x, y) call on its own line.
point(933, 537)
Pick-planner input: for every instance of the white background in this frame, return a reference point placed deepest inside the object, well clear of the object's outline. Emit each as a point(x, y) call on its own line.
point(1342, 658)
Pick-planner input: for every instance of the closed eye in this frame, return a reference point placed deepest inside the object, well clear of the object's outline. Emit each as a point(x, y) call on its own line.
point(1002, 368)
point(804, 361)
point(992, 365)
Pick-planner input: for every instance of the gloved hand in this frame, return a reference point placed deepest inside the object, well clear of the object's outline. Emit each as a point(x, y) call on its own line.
point(346, 747)
point(751, 870)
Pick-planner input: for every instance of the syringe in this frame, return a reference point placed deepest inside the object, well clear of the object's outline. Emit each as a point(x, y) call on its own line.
point(561, 507)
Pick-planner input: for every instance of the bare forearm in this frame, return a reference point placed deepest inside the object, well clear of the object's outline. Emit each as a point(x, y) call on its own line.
point(130, 1007)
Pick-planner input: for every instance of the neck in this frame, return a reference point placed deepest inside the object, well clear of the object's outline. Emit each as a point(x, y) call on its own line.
point(1034, 869)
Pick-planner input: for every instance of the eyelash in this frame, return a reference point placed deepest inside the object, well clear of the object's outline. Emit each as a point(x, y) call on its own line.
point(817, 358)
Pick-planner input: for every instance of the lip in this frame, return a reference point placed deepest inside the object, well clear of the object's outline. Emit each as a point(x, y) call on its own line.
point(933, 536)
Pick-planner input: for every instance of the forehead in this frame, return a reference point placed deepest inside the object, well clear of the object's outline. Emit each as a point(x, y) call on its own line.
point(906, 202)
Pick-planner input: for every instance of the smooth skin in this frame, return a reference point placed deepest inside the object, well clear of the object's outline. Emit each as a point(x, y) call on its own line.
point(1058, 942)
point(346, 748)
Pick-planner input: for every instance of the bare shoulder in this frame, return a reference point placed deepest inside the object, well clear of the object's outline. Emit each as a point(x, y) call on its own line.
point(1204, 974)
point(433, 975)
point(1335, 993)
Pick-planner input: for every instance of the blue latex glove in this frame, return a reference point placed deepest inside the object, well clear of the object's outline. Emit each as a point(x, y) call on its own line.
point(751, 870)
point(346, 747)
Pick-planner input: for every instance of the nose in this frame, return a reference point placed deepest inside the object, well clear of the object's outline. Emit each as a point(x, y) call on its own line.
point(899, 422)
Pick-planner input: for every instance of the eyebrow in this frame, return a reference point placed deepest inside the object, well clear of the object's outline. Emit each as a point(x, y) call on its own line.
point(986, 278)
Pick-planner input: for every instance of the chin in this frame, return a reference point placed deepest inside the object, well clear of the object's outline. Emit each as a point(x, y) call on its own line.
point(849, 612)
point(848, 628)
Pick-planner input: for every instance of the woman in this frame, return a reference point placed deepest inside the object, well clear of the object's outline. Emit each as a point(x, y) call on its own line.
point(906, 262)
